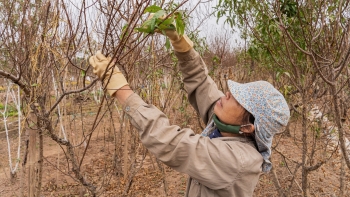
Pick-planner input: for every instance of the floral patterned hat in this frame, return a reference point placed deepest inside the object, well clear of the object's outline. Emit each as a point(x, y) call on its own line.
point(269, 108)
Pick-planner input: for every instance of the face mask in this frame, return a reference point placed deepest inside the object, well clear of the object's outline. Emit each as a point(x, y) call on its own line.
point(228, 128)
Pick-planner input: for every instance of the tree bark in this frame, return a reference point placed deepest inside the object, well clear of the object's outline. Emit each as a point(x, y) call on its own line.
point(342, 187)
point(304, 178)
point(338, 122)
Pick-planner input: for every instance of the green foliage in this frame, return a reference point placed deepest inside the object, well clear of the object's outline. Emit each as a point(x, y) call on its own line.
point(215, 59)
point(281, 72)
point(289, 8)
point(158, 72)
point(167, 43)
point(180, 25)
point(265, 28)
point(215, 63)
point(159, 22)
point(152, 9)
point(200, 44)
point(286, 90)
point(316, 129)
point(282, 164)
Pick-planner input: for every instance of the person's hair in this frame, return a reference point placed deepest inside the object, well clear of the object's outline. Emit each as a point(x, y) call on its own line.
point(247, 117)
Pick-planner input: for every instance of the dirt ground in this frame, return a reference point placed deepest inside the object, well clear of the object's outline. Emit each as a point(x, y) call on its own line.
point(58, 180)
point(148, 180)
point(153, 179)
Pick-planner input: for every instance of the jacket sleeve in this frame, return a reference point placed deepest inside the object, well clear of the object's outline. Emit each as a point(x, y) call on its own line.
point(200, 87)
point(214, 163)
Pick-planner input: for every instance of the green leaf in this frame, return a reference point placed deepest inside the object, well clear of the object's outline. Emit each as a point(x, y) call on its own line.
point(123, 30)
point(168, 21)
point(152, 9)
point(278, 75)
point(174, 22)
point(216, 59)
point(153, 25)
point(287, 73)
point(146, 27)
point(158, 14)
point(165, 24)
point(82, 73)
point(171, 27)
point(34, 85)
point(166, 27)
point(125, 26)
point(167, 43)
point(143, 30)
point(180, 26)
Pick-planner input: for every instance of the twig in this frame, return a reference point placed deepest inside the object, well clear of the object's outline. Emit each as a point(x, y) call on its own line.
point(16, 81)
point(70, 92)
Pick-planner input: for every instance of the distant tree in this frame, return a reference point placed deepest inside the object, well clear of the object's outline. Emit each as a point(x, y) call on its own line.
point(306, 42)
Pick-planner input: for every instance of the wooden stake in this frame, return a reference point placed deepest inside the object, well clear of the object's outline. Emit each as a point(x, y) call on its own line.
point(125, 152)
point(31, 154)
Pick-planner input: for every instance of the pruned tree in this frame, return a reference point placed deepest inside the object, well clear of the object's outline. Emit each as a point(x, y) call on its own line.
point(44, 48)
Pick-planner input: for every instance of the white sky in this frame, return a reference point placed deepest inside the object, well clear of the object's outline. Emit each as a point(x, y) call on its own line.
point(201, 19)
point(211, 27)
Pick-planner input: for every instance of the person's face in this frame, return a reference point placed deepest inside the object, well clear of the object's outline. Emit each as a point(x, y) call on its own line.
point(228, 110)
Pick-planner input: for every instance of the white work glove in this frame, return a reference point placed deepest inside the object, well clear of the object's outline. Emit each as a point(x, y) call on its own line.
point(100, 62)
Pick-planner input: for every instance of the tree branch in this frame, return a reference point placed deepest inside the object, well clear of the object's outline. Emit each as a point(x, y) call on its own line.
point(16, 81)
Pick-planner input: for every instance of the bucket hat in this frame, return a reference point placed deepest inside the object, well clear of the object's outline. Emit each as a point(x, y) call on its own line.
point(270, 111)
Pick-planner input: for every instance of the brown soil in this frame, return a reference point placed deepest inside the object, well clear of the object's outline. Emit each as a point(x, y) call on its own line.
point(58, 180)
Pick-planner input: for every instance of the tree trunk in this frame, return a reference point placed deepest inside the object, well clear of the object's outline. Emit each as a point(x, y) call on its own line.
point(304, 182)
point(40, 162)
point(339, 125)
point(342, 187)
point(126, 146)
point(304, 175)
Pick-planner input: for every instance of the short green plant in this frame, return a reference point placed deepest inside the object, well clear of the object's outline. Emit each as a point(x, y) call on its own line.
point(10, 111)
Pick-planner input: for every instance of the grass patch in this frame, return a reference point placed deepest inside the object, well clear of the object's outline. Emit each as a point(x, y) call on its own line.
point(10, 111)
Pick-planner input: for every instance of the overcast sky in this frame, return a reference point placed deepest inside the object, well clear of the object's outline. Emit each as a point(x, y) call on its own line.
point(210, 26)
point(201, 19)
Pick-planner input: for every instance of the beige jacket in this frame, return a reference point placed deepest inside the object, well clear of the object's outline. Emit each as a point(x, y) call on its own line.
point(226, 166)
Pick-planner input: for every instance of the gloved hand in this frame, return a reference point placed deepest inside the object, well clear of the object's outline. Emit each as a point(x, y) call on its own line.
point(180, 43)
point(99, 62)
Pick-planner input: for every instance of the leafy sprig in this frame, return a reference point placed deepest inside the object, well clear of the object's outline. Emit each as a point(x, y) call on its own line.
point(158, 22)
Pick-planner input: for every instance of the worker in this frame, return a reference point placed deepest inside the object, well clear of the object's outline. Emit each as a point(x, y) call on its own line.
point(228, 157)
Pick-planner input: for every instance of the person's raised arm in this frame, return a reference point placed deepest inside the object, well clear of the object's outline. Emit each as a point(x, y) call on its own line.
point(175, 146)
point(200, 87)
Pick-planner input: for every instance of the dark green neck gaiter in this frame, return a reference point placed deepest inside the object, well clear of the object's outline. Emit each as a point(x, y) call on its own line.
point(225, 127)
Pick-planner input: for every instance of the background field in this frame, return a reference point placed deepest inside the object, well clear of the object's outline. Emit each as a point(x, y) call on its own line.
point(60, 135)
